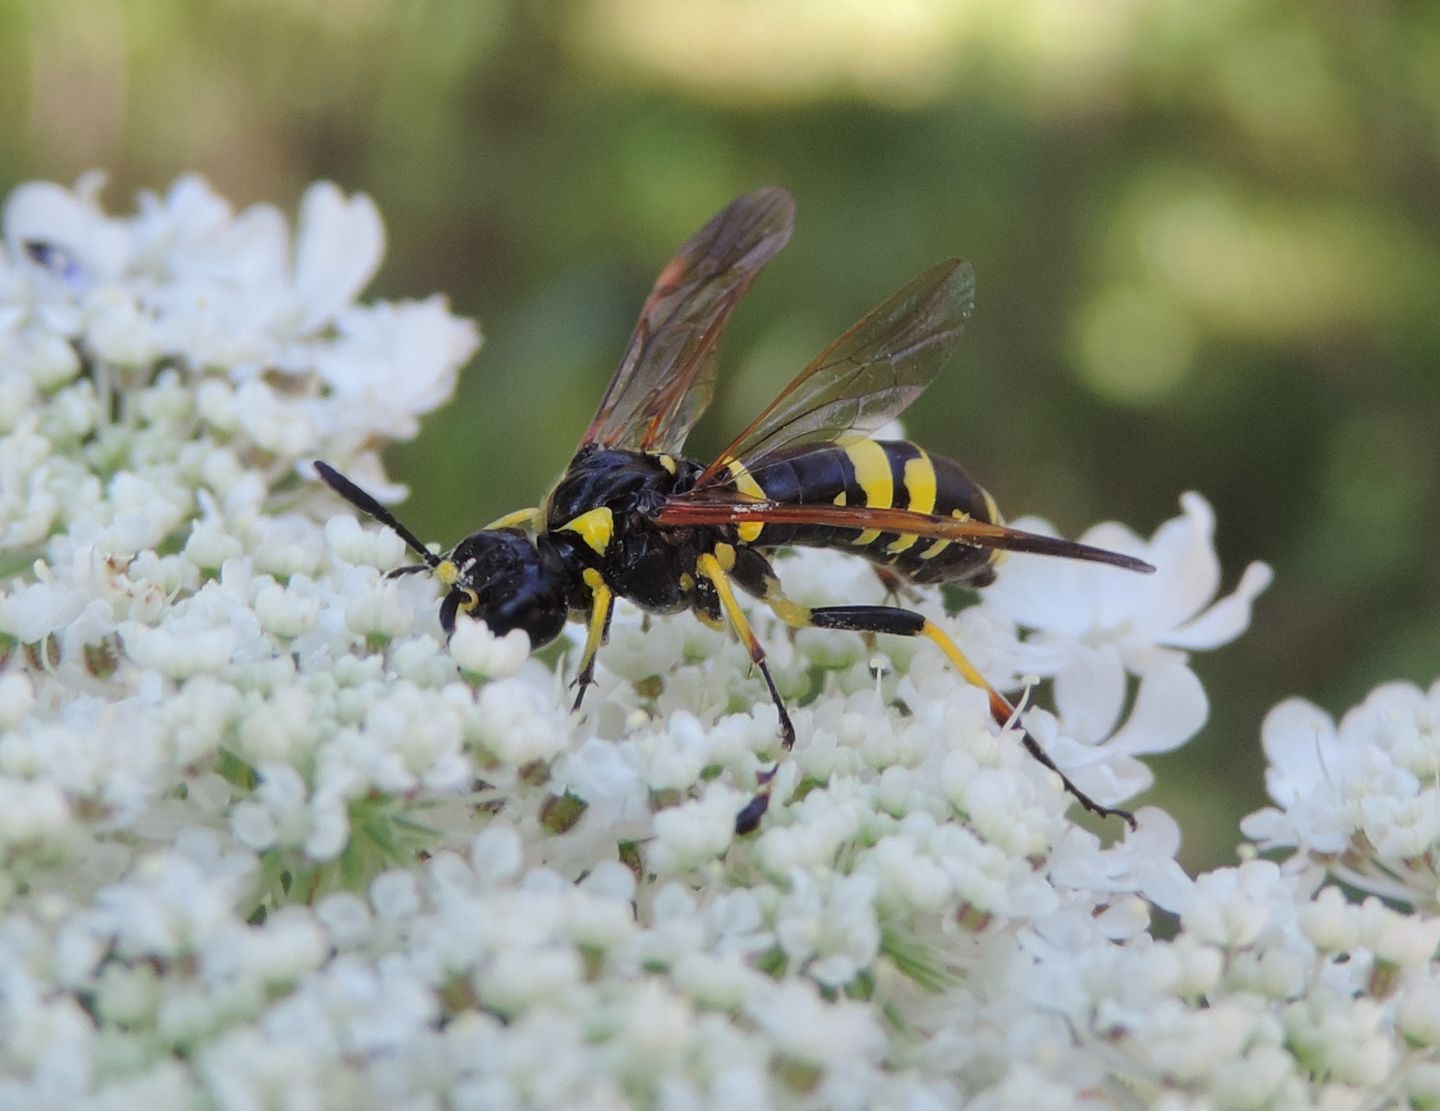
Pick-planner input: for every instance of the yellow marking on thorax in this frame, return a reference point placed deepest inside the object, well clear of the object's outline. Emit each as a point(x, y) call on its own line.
point(666, 461)
point(875, 478)
point(531, 519)
point(594, 526)
point(920, 484)
point(840, 498)
point(746, 484)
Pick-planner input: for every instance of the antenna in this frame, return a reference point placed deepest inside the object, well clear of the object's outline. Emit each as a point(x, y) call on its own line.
point(366, 504)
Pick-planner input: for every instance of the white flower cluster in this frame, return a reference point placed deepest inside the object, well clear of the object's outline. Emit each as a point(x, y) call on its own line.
point(1361, 800)
point(268, 842)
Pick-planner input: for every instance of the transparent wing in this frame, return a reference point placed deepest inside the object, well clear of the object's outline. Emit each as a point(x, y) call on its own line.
point(667, 375)
point(868, 375)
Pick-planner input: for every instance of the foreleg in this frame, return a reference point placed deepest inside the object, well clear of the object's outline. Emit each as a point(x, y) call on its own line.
point(602, 605)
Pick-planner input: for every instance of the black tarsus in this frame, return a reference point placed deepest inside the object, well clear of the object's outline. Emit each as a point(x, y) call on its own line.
point(748, 820)
point(1035, 749)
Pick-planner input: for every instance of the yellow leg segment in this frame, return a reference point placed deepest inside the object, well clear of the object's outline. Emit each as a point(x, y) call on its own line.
point(602, 601)
point(709, 566)
point(954, 655)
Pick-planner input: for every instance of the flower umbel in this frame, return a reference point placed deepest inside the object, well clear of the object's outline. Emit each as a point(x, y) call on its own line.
point(268, 840)
point(1092, 629)
point(1360, 799)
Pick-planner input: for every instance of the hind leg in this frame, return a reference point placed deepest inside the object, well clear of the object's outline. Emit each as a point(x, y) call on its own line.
point(902, 622)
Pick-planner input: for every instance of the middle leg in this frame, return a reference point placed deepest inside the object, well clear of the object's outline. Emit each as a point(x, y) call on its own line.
point(708, 565)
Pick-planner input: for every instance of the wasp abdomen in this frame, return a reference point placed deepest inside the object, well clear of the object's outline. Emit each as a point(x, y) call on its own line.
point(885, 474)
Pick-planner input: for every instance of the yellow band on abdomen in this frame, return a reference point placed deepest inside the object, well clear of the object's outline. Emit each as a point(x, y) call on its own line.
point(875, 479)
point(746, 484)
point(920, 487)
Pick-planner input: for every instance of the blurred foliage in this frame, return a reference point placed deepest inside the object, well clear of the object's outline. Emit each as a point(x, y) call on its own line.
point(1205, 232)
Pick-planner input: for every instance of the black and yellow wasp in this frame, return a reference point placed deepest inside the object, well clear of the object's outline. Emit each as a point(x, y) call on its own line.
point(632, 518)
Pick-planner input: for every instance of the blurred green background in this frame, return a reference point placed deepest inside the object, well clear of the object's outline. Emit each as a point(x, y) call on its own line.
point(1205, 233)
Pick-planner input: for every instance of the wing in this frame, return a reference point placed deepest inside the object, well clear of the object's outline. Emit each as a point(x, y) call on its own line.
point(667, 375)
point(868, 375)
point(740, 510)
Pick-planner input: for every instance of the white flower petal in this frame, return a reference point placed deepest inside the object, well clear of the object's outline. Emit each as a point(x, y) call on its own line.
point(1090, 693)
point(43, 212)
point(1297, 736)
point(1227, 618)
point(1170, 707)
point(341, 241)
point(1183, 553)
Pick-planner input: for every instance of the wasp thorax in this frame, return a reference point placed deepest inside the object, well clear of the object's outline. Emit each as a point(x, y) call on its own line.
point(501, 578)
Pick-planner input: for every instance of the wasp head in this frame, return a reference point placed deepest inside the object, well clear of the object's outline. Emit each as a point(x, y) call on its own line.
point(502, 578)
point(498, 576)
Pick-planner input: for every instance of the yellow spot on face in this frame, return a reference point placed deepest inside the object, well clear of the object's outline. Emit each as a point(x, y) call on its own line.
point(920, 485)
point(595, 527)
point(875, 478)
point(666, 461)
point(447, 572)
point(746, 484)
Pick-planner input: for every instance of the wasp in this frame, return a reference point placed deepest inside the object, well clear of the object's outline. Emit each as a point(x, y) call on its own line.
point(631, 517)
